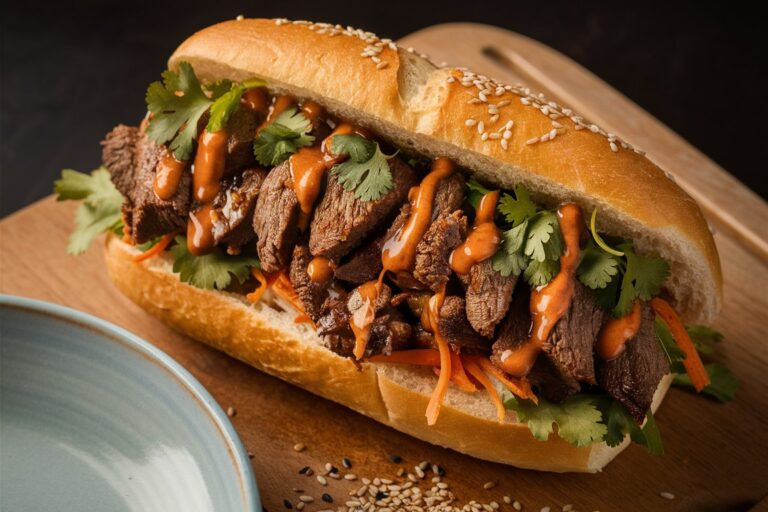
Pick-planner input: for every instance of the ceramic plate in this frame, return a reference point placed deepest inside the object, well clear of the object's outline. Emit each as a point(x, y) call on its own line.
point(94, 418)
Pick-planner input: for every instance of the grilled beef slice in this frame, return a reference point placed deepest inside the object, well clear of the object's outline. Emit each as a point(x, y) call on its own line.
point(241, 128)
point(147, 215)
point(432, 266)
point(342, 221)
point(311, 294)
point(364, 264)
point(233, 207)
point(449, 195)
point(632, 378)
point(276, 219)
point(570, 346)
point(489, 295)
point(118, 155)
point(389, 331)
point(455, 328)
point(513, 331)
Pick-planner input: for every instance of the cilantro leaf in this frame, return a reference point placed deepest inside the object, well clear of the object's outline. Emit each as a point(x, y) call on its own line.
point(517, 209)
point(219, 88)
point(367, 171)
point(227, 102)
point(356, 147)
point(650, 273)
point(597, 267)
point(100, 209)
point(704, 338)
point(544, 241)
point(722, 386)
point(539, 273)
point(283, 137)
point(578, 418)
point(213, 270)
point(176, 104)
point(475, 191)
point(620, 423)
point(509, 259)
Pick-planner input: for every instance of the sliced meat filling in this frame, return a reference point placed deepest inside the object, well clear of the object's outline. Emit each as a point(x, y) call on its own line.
point(134, 172)
point(233, 207)
point(389, 331)
point(632, 378)
point(311, 294)
point(364, 264)
point(118, 156)
point(241, 129)
point(489, 295)
point(570, 346)
point(276, 219)
point(342, 221)
point(455, 327)
point(432, 266)
point(515, 330)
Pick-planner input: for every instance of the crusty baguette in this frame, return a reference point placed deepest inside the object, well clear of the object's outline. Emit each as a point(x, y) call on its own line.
point(265, 336)
point(415, 104)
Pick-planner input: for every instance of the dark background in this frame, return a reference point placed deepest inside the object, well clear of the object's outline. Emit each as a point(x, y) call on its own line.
point(72, 70)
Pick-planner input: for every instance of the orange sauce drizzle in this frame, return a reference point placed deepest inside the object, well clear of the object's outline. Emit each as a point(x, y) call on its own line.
point(320, 269)
point(482, 241)
point(399, 251)
point(168, 176)
point(616, 332)
point(254, 99)
point(551, 301)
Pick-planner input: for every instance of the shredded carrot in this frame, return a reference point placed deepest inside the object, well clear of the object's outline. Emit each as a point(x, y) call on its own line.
point(518, 386)
point(284, 289)
point(692, 362)
point(438, 394)
point(126, 228)
point(155, 249)
point(421, 357)
point(255, 295)
point(459, 376)
point(475, 371)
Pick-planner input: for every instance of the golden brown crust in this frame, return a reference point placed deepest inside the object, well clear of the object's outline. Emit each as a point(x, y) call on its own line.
point(267, 338)
point(407, 99)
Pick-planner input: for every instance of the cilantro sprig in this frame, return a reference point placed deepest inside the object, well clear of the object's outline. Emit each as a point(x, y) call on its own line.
point(179, 101)
point(213, 270)
point(366, 170)
point(533, 244)
point(617, 274)
point(584, 419)
point(282, 137)
point(99, 211)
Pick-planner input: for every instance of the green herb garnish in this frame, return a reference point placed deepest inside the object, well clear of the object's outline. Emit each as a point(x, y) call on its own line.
point(366, 171)
point(283, 137)
point(99, 211)
point(213, 270)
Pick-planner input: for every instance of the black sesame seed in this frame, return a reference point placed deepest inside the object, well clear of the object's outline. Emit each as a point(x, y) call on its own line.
point(304, 470)
point(381, 495)
point(396, 459)
point(346, 463)
point(287, 504)
point(327, 498)
point(334, 469)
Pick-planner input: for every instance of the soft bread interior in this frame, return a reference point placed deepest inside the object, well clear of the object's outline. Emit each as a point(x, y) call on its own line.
point(265, 336)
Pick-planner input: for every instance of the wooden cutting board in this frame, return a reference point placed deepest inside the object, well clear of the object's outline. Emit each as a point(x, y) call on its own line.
point(717, 455)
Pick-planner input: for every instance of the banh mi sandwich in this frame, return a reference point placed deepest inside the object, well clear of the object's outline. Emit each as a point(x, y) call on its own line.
point(461, 259)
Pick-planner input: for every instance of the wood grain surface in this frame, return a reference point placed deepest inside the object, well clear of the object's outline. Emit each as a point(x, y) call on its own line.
point(717, 455)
